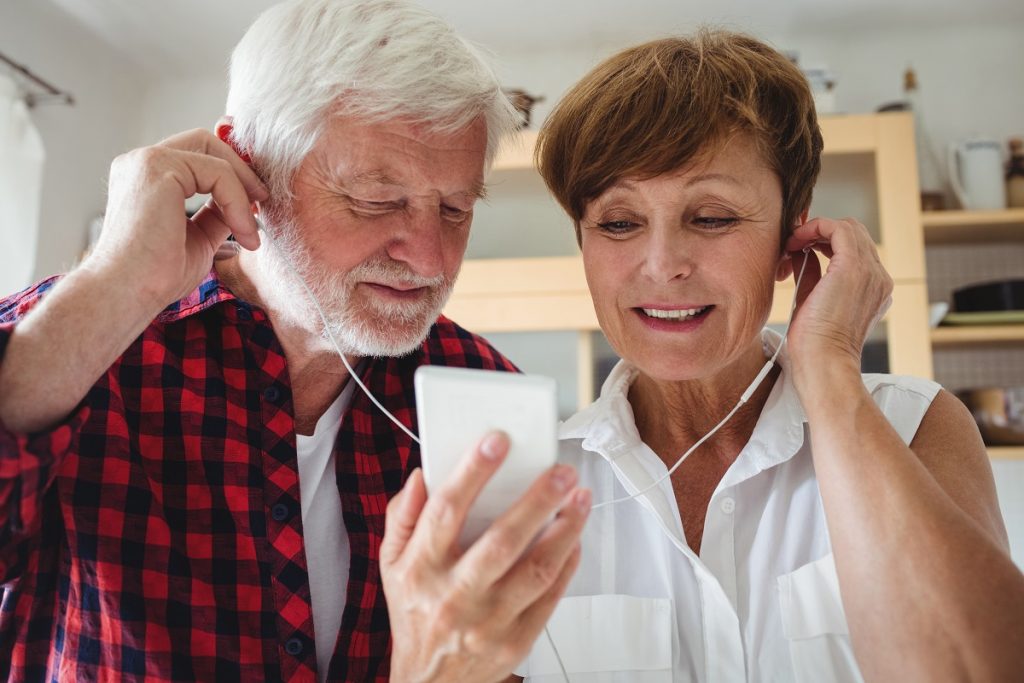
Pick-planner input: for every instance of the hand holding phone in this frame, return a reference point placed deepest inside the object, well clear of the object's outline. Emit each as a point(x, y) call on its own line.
point(456, 407)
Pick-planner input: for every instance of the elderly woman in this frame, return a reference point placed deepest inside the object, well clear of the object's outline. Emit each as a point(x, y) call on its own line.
point(839, 525)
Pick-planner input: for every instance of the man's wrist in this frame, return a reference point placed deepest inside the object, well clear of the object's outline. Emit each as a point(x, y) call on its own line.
point(109, 278)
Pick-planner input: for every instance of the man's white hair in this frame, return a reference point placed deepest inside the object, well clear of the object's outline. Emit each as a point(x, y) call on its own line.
point(304, 61)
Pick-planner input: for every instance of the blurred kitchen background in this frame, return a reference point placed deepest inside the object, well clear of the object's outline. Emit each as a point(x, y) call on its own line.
point(84, 80)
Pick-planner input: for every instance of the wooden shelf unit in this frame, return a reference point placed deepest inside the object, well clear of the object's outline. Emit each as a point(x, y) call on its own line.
point(1006, 452)
point(977, 334)
point(964, 227)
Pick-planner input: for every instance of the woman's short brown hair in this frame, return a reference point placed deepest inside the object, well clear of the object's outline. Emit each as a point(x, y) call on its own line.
point(656, 107)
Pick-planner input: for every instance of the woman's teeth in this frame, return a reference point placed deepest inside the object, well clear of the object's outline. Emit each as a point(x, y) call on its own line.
point(677, 314)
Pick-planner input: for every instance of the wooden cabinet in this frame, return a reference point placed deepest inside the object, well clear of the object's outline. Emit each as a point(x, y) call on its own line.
point(967, 231)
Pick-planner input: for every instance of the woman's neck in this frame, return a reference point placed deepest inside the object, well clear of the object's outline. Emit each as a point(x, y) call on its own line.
point(672, 415)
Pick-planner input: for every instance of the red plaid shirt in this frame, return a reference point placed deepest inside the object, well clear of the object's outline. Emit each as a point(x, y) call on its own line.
point(157, 534)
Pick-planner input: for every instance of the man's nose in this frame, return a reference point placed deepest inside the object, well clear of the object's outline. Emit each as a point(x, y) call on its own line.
point(420, 242)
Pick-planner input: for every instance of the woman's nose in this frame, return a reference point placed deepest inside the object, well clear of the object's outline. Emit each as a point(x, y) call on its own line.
point(666, 257)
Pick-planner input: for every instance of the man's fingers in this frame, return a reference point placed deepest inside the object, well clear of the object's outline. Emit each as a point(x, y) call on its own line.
point(501, 546)
point(542, 565)
point(202, 141)
point(536, 616)
point(216, 177)
point(402, 514)
point(448, 505)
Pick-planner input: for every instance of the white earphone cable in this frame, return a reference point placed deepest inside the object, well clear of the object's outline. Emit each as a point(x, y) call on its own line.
point(330, 335)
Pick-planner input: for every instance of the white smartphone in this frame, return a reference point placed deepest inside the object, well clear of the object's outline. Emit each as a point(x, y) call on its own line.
point(456, 407)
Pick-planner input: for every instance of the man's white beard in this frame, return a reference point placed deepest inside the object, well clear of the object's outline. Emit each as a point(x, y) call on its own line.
point(361, 325)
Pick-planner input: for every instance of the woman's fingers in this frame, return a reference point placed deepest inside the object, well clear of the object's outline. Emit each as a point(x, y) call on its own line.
point(810, 275)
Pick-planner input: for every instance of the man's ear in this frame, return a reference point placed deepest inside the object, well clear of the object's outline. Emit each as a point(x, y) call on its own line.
point(784, 268)
point(224, 129)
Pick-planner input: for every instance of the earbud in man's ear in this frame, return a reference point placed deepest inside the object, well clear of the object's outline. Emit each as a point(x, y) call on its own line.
point(223, 130)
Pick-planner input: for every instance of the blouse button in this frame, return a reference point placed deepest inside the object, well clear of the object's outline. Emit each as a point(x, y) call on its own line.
point(728, 505)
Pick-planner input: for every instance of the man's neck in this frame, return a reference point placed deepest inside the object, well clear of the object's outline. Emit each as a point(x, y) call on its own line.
point(317, 374)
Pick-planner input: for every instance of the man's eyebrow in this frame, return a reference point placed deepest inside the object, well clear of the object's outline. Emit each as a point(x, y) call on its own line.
point(378, 177)
point(374, 177)
point(478, 191)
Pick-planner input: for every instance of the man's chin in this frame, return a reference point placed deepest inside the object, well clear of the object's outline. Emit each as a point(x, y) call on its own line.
point(394, 341)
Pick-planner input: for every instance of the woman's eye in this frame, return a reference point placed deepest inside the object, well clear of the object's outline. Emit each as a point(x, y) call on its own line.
point(714, 222)
point(616, 227)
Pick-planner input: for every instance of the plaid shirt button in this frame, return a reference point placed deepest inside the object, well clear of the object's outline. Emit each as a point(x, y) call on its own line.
point(244, 314)
point(293, 647)
point(280, 512)
point(271, 394)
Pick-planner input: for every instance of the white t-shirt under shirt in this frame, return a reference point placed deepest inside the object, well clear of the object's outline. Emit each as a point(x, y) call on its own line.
point(326, 541)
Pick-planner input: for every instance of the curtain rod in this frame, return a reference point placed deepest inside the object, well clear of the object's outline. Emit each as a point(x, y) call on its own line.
point(53, 94)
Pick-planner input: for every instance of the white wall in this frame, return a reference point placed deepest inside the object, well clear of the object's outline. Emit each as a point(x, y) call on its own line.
point(81, 140)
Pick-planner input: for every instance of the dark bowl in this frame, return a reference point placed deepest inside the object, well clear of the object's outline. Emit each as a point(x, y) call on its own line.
point(1005, 295)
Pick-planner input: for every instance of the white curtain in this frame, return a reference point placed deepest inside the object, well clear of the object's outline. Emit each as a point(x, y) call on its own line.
point(21, 182)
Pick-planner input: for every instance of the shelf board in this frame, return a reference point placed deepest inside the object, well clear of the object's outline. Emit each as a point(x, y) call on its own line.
point(1006, 452)
point(980, 334)
point(954, 227)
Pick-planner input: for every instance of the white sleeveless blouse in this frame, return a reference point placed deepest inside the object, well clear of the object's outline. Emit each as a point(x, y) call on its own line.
point(761, 602)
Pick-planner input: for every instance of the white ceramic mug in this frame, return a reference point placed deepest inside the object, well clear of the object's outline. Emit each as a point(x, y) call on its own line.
point(976, 173)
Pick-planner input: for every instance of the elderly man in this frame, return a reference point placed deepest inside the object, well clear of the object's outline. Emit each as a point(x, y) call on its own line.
point(191, 488)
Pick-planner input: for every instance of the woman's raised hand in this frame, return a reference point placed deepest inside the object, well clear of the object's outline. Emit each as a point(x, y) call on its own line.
point(835, 309)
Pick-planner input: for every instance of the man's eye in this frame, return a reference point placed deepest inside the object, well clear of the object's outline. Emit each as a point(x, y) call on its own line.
point(375, 207)
point(453, 212)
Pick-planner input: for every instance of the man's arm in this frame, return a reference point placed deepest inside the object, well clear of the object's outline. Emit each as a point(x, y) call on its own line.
point(149, 255)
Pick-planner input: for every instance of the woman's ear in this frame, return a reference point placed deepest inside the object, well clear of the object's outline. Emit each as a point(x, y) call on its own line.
point(784, 268)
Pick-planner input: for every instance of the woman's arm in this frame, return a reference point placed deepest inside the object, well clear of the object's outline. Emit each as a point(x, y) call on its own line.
point(929, 589)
